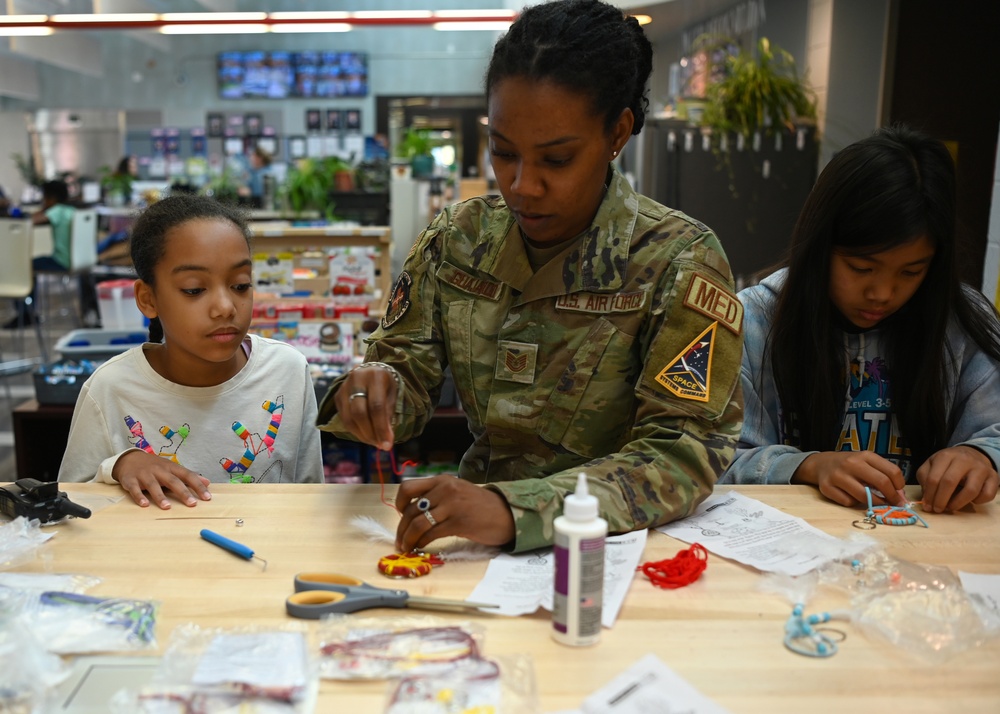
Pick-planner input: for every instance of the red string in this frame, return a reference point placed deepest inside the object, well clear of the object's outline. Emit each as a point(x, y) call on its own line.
point(395, 471)
point(683, 569)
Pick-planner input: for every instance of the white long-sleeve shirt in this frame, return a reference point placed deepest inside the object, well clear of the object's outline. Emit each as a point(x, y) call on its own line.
point(257, 427)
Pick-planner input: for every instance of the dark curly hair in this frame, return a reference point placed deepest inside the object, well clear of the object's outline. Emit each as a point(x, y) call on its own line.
point(150, 230)
point(587, 46)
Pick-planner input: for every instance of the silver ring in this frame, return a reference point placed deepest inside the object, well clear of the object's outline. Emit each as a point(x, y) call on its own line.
point(430, 519)
point(358, 395)
point(423, 504)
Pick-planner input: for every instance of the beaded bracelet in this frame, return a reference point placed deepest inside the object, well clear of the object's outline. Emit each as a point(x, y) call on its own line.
point(887, 515)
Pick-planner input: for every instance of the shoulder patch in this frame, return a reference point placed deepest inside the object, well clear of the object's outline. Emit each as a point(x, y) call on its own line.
point(715, 302)
point(399, 300)
point(689, 375)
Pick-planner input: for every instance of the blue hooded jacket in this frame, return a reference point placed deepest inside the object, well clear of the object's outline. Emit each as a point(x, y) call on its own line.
point(762, 456)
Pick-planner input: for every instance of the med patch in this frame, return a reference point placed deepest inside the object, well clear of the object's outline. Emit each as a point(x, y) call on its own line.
point(714, 302)
point(689, 375)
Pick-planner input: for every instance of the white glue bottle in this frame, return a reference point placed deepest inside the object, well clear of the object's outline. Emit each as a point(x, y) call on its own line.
point(579, 569)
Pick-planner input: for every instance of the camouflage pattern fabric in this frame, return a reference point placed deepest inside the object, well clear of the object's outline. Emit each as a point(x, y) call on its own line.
point(619, 358)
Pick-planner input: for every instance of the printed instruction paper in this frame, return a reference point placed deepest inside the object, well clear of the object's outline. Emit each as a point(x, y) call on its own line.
point(751, 532)
point(519, 584)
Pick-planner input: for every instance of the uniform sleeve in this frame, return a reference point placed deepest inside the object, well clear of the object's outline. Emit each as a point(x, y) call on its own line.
point(688, 412)
point(760, 458)
point(409, 339)
point(89, 454)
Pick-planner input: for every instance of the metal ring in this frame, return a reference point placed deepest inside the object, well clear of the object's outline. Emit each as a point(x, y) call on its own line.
point(358, 395)
point(423, 504)
point(864, 525)
point(430, 519)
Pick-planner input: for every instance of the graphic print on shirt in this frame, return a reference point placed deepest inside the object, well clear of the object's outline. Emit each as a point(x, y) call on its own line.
point(169, 451)
point(253, 443)
point(869, 422)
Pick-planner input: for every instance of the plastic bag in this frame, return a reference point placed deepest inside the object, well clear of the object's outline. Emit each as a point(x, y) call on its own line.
point(388, 648)
point(919, 608)
point(19, 541)
point(247, 669)
point(473, 686)
point(28, 673)
point(70, 623)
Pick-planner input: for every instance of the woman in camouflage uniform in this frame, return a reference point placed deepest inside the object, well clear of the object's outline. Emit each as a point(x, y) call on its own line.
point(588, 328)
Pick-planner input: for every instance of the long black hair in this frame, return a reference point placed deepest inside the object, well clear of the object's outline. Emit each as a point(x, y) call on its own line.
point(148, 239)
point(587, 46)
point(874, 195)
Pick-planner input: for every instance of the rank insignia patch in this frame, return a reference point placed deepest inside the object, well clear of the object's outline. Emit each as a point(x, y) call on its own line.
point(399, 300)
point(689, 376)
point(516, 361)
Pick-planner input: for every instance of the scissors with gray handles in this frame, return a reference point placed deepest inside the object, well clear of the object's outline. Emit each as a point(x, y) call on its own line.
point(318, 594)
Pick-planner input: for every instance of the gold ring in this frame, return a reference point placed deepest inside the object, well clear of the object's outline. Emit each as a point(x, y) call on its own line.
point(358, 395)
point(430, 519)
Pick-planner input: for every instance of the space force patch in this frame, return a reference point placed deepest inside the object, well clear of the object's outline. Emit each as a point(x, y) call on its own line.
point(399, 300)
point(689, 375)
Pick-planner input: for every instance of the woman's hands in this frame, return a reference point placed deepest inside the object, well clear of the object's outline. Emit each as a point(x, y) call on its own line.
point(955, 477)
point(366, 403)
point(138, 471)
point(456, 507)
point(843, 475)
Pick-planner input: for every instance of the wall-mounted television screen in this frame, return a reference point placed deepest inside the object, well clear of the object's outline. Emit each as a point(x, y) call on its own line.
point(280, 75)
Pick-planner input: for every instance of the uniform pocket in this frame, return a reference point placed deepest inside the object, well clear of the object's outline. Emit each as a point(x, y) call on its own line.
point(592, 404)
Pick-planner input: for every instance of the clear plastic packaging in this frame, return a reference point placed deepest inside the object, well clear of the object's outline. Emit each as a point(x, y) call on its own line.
point(389, 648)
point(28, 673)
point(476, 685)
point(70, 623)
point(19, 541)
point(918, 608)
point(249, 669)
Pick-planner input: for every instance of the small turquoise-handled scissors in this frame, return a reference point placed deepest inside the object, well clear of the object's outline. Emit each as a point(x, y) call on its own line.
point(317, 594)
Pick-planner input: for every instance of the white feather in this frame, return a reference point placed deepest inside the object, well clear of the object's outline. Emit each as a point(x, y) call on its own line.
point(462, 549)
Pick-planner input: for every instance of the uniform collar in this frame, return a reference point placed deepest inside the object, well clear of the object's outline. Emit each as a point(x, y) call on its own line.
point(597, 263)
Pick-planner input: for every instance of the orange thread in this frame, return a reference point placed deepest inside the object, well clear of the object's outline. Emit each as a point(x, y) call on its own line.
point(683, 569)
point(395, 471)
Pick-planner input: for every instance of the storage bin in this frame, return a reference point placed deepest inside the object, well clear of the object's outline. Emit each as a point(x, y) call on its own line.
point(116, 303)
point(60, 382)
point(98, 345)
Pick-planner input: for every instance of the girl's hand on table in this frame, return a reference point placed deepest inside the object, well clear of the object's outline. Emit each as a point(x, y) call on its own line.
point(955, 477)
point(843, 475)
point(139, 471)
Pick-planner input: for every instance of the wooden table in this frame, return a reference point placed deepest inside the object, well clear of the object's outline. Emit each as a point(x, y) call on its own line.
point(721, 634)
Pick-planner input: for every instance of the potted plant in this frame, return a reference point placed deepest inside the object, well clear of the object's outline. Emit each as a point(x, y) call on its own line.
point(342, 173)
point(416, 146)
point(117, 187)
point(224, 187)
point(759, 91)
point(308, 184)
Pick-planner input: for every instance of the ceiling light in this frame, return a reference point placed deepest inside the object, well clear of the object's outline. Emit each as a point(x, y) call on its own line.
point(107, 17)
point(484, 25)
point(206, 29)
point(309, 15)
point(311, 27)
point(213, 16)
point(24, 31)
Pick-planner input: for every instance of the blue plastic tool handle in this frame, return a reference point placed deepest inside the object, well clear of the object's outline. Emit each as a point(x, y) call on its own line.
point(230, 545)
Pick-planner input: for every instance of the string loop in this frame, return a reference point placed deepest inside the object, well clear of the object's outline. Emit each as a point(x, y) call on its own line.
point(683, 569)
